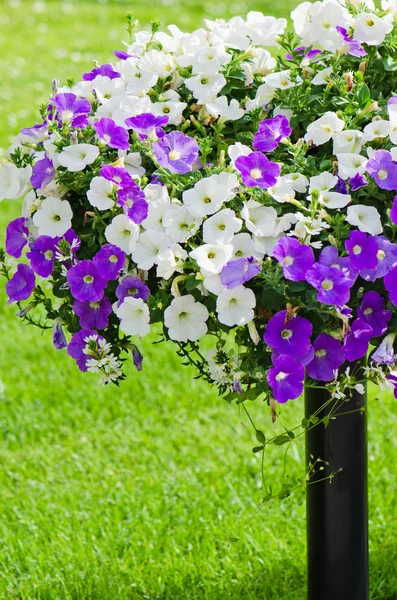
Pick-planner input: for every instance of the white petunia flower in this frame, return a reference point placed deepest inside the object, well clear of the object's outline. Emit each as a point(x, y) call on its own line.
point(221, 227)
point(134, 316)
point(371, 29)
point(236, 150)
point(212, 257)
point(158, 62)
point(132, 163)
point(334, 199)
point(235, 307)
point(206, 197)
point(205, 88)
point(263, 30)
point(170, 261)
point(227, 112)
point(366, 218)
point(264, 95)
point(179, 223)
point(243, 246)
point(298, 181)
point(101, 192)
point(323, 182)
point(123, 233)
point(13, 181)
point(150, 245)
point(54, 217)
point(259, 219)
point(322, 26)
point(321, 131)
point(77, 156)
point(283, 191)
point(348, 141)
point(323, 77)
point(351, 164)
point(280, 80)
point(208, 61)
point(186, 319)
point(106, 88)
point(376, 129)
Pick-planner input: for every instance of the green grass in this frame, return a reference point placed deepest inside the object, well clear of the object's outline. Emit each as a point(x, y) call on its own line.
point(149, 491)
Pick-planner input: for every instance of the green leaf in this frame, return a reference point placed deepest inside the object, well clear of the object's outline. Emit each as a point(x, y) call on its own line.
point(364, 95)
point(257, 449)
point(280, 440)
point(260, 436)
point(390, 63)
point(271, 299)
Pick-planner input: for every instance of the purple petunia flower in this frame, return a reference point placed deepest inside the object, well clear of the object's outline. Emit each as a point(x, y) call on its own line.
point(392, 377)
point(304, 360)
point(341, 186)
point(387, 259)
point(16, 237)
point(271, 132)
point(332, 285)
point(286, 379)
point(357, 340)
point(390, 283)
point(122, 54)
point(116, 175)
point(85, 282)
point(328, 357)
point(352, 47)
point(137, 358)
point(289, 337)
point(72, 110)
point(38, 132)
point(109, 261)
point(257, 170)
point(383, 169)
point(296, 258)
point(58, 336)
point(393, 211)
point(362, 250)
point(42, 255)
point(131, 287)
point(357, 181)
point(384, 353)
point(372, 311)
point(329, 256)
point(104, 70)
point(132, 199)
point(93, 315)
point(43, 173)
point(111, 134)
point(237, 272)
point(146, 123)
point(21, 285)
point(77, 345)
point(176, 152)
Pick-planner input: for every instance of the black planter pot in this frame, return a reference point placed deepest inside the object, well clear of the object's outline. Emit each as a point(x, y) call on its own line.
point(337, 515)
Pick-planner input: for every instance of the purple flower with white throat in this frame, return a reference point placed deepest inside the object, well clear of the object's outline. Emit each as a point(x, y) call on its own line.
point(328, 357)
point(93, 315)
point(332, 285)
point(43, 173)
point(357, 340)
point(372, 311)
point(271, 132)
point(329, 257)
point(16, 237)
point(132, 199)
point(42, 255)
point(72, 110)
point(349, 46)
point(21, 285)
point(77, 345)
point(116, 175)
point(111, 134)
point(289, 336)
point(58, 336)
point(257, 170)
point(131, 287)
point(295, 258)
point(357, 181)
point(109, 261)
point(105, 70)
point(239, 271)
point(85, 282)
point(384, 353)
point(147, 125)
point(387, 259)
point(362, 250)
point(176, 152)
point(383, 170)
point(286, 379)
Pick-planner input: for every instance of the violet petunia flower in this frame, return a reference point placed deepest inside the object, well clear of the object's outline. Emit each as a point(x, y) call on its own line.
point(21, 285)
point(58, 336)
point(71, 109)
point(176, 152)
point(111, 134)
point(372, 311)
point(341, 186)
point(131, 287)
point(362, 250)
point(122, 54)
point(390, 283)
point(105, 70)
point(350, 46)
point(357, 181)
point(17, 234)
point(85, 282)
point(384, 353)
point(38, 132)
point(77, 345)
point(116, 175)
point(304, 360)
point(329, 257)
point(43, 173)
point(257, 170)
point(357, 340)
point(93, 315)
point(271, 132)
point(109, 261)
point(290, 337)
point(387, 259)
point(383, 170)
point(137, 358)
point(286, 379)
point(393, 211)
point(239, 271)
point(146, 124)
point(133, 200)
point(42, 255)
point(328, 357)
point(332, 285)
point(295, 258)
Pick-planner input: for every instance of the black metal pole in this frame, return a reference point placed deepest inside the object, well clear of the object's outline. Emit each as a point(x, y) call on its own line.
point(337, 512)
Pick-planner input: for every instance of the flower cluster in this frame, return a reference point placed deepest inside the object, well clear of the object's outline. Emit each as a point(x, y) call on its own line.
point(202, 184)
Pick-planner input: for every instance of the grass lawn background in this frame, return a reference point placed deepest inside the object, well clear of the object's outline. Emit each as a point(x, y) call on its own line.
point(149, 491)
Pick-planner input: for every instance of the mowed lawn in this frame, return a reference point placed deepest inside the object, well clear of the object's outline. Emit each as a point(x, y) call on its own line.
point(149, 491)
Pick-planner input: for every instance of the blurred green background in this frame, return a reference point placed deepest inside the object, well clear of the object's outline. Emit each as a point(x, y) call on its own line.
point(149, 491)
